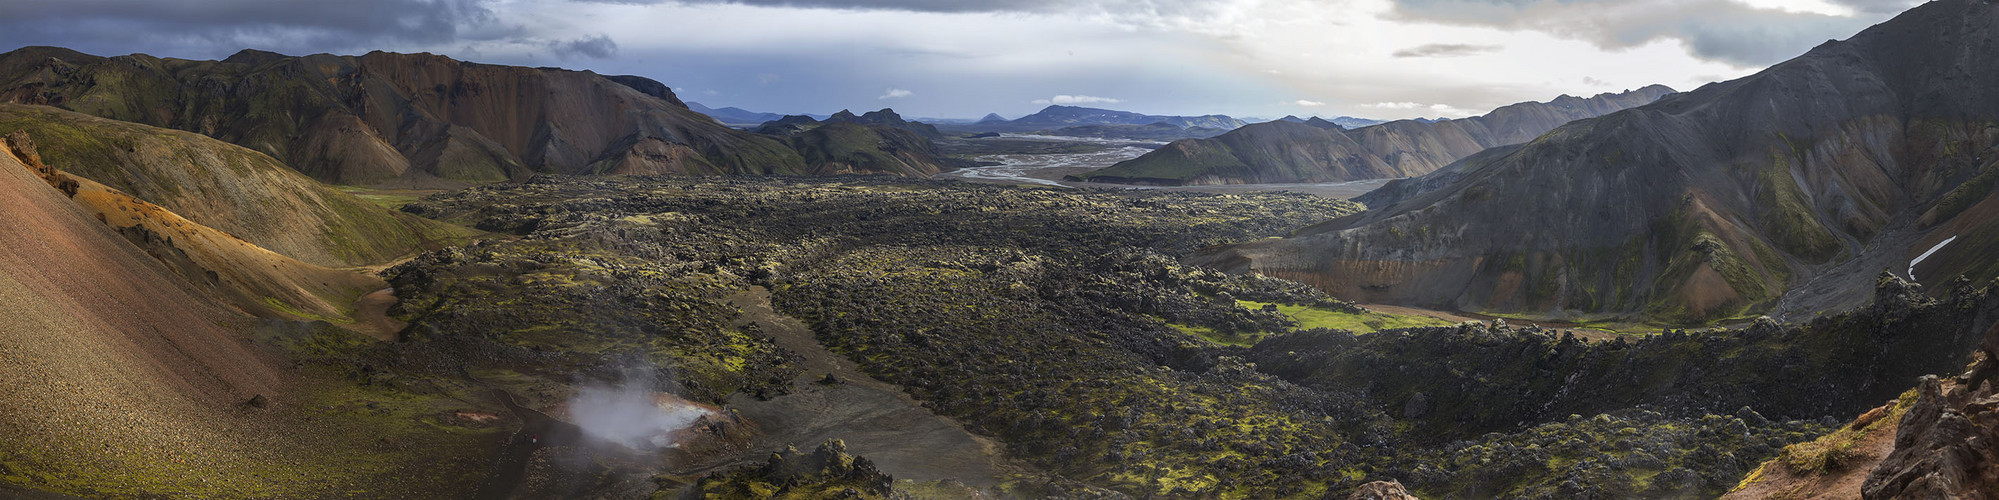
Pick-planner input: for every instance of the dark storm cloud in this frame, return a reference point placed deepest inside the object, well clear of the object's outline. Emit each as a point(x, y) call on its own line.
point(212, 26)
point(1445, 50)
point(1719, 30)
point(905, 5)
point(598, 47)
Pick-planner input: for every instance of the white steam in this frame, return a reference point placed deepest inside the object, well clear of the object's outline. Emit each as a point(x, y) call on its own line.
point(634, 413)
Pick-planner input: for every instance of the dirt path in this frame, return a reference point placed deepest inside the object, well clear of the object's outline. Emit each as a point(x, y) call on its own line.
point(876, 419)
point(1777, 482)
point(371, 315)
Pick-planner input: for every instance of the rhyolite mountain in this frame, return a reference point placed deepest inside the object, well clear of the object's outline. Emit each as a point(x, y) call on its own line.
point(407, 118)
point(1318, 150)
point(1810, 177)
point(1059, 116)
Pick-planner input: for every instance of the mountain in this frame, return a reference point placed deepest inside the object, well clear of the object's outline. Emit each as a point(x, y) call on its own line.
point(992, 118)
point(1157, 131)
point(1786, 192)
point(851, 148)
point(875, 142)
point(400, 118)
point(1321, 151)
point(235, 190)
point(885, 117)
point(733, 115)
point(1342, 121)
point(1058, 116)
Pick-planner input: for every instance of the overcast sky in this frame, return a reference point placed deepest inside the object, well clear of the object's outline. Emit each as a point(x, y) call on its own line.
point(965, 58)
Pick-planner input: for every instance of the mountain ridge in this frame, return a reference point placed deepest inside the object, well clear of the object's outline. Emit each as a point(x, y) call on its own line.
point(1317, 150)
point(400, 118)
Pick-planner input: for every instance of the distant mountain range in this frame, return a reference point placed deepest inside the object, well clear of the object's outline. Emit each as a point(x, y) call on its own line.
point(1345, 121)
point(1318, 150)
point(1157, 131)
point(1787, 193)
point(1058, 117)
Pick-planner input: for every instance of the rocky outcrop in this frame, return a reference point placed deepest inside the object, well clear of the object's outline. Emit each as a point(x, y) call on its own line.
point(1944, 445)
point(397, 118)
point(1709, 204)
point(1317, 150)
point(826, 472)
point(1943, 448)
point(1381, 490)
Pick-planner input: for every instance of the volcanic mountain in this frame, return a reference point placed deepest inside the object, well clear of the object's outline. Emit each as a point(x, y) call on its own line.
point(1811, 177)
point(1317, 150)
point(402, 118)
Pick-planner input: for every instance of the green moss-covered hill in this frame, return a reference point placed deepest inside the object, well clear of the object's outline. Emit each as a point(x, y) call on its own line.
point(1785, 192)
point(226, 187)
point(404, 118)
point(873, 142)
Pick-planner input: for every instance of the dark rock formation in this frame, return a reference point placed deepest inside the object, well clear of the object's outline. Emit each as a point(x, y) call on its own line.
point(1944, 447)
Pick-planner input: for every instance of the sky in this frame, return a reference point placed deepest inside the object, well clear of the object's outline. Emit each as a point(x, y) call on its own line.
point(1385, 59)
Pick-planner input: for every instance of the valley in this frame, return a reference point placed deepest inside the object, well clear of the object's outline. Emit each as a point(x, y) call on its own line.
point(413, 275)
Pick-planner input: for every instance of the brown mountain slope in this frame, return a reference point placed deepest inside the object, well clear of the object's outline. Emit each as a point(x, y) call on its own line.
point(226, 187)
point(402, 118)
point(102, 348)
point(1285, 151)
point(216, 264)
point(1813, 175)
point(122, 378)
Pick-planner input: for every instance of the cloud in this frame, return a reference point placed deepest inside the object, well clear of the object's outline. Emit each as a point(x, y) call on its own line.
point(1392, 105)
point(597, 47)
point(220, 27)
point(1445, 50)
point(1719, 30)
point(1444, 110)
point(1078, 99)
point(1138, 7)
point(1593, 82)
point(895, 93)
point(1878, 6)
point(1308, 104)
